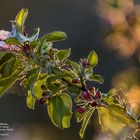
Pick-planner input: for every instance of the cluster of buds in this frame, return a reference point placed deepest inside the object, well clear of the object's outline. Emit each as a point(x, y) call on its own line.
point(45, 95)
point(88, 99)
point(84, 62)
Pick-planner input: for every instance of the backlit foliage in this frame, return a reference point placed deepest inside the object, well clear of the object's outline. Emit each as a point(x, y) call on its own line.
point(52, 79)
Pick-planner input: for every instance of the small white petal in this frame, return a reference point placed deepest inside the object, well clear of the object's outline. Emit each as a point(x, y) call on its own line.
point(4, 34)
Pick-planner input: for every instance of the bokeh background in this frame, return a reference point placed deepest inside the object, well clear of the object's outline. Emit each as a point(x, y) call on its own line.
point(86, 30)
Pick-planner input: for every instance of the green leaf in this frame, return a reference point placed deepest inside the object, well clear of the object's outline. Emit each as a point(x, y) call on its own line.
point(96, 78)
point(80, 117)
point(44, 47)
point(85, 123)
point(88, 72)
point(55, 36)
point(12, 41)
point(35, 92)
point(10, 68)
point(92, 58)
point(61, 73)
point(114, 119)
point(74, 65)
point(56, 110)
point(109, 97)
point(7, 65)
point(42, 76)
point(109, 100)
point(63, 54)
point(50, 79)
point(35, 43)
point(54, 87)
point(108, 122)
point(121, 115)
point(31, 85)
point(20, 19)
point(4, 57)
point(73, 90)
point(30, 100)
point(6, 83)
point(41, 81)
point(32, 77)
point(2, 53)
point(59, 110)
point(37, 88)
point(111, 92)
point(47, 46)
point(68, 110)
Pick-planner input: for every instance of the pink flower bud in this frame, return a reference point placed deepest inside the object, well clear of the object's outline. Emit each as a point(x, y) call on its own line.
point(3, 46)
point(42, 100)
point(97, 95)
point(80, 109)
point(93, 104)
point(91, 89)
point(26, 47)
point(4, 34)
point(85, 95)
point(25, 33)
point(84, 63)
point(75, 81)
point(45, 94)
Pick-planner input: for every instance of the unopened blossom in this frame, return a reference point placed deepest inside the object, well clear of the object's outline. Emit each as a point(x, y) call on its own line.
point(84, 62)
point(80, 109)
point(4, 34)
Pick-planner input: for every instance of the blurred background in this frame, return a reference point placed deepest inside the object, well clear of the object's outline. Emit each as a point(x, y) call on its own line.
point(110, 27)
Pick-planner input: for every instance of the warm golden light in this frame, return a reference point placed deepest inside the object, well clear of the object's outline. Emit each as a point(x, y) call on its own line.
point(123, 16)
